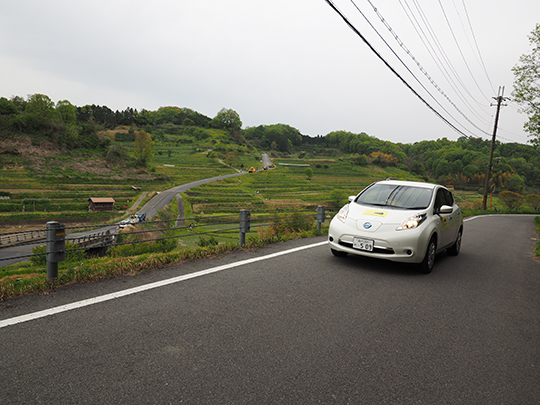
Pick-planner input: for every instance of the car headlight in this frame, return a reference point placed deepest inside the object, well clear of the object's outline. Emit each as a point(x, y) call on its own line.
point(412, 222)
point(343, 212)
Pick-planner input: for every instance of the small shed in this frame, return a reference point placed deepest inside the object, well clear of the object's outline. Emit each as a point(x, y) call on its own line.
point(101, 204)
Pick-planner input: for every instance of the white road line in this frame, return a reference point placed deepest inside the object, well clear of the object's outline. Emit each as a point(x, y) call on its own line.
point(499, 215)
point(135, 290)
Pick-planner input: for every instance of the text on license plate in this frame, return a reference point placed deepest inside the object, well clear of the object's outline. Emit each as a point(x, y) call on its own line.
point(363, 244)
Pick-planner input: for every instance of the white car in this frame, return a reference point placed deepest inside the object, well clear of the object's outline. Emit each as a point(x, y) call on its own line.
point(401, 221)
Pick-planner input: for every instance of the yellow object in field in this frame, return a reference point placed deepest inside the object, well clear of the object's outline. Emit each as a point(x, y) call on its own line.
point(252, 170)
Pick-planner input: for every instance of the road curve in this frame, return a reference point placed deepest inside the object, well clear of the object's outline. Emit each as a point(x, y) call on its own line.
point(161, 200)
point(151, 208)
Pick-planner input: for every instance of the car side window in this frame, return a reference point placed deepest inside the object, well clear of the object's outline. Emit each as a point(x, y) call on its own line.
point(449, 198)
point(440, 199)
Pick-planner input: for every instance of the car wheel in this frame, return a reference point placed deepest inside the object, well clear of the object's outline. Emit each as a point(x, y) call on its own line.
point(429, 260)
point(456, 247)
point(338, 253)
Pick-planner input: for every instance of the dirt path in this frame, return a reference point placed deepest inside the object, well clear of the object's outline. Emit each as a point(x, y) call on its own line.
point(136, 204)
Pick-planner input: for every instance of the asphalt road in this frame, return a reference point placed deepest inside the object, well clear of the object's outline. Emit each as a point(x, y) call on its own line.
point(159, 201)
point(266, 161)
point(299, 327)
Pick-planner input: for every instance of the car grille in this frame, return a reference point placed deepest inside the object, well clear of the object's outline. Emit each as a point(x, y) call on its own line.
point(384, 251)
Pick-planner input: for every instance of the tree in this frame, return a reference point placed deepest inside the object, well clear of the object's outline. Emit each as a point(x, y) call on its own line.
point(188, 122)
point(514, 182)
point(231, 158)
point(19, 102)
point(7, 107)
point(309, 173)
point(143, 148)
point(68, 111)
point(527, 86)
point(227, 119)
point(39, 112)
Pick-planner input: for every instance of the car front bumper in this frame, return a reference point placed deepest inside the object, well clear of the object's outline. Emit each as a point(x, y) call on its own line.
point(406, 246)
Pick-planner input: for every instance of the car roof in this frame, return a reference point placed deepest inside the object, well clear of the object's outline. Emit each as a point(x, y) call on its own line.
point(409, 183)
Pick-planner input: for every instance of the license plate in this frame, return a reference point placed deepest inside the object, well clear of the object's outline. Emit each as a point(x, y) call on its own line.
point(363, 244)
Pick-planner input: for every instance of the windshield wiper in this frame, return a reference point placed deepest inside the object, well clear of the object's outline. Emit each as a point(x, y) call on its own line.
point(408, 208)
point(391, 195)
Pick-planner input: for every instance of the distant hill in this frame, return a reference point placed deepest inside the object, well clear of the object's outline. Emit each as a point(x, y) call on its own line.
point(36, 126)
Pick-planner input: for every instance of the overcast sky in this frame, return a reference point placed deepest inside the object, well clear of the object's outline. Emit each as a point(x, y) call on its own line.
point(278, 61)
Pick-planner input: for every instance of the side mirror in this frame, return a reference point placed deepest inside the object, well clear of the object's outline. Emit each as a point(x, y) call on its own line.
point(445, 209)
point(351, 198)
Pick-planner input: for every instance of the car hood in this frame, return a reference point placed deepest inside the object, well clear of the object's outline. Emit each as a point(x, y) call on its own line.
point(369, 218)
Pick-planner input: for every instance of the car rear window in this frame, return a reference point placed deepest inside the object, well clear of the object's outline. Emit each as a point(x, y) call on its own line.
point(397, 196)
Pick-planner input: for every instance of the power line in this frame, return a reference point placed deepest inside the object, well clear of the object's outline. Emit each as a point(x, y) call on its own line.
point(355, 30)
point(415, 60)
point(459, 49)
point(477, 47)
point(443, 53)
point(435, 55)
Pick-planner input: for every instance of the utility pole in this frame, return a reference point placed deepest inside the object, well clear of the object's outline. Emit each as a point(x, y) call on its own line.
point(499, 99)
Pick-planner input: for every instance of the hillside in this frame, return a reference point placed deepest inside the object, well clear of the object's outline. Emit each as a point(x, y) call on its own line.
point(56, 156)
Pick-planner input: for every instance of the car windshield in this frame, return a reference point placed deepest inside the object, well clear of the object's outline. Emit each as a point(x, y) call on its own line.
point(395, 195)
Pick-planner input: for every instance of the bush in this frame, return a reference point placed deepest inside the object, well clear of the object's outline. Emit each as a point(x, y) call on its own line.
point(512, 200)
point(123, 137)
point(296, 222)
point(71, 254)
point(382, 159)
point(136, 249)
point(534, 201)
point(117, 154)
point(339, 198)
point(204, 242)
point(40, 201)
point(360, 160)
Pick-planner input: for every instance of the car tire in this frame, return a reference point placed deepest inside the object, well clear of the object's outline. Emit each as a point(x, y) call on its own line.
point(456, 247)
point(429, 259)
point(338, 253)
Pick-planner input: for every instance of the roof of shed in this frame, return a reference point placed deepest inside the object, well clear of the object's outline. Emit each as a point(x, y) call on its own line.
point(102, 199)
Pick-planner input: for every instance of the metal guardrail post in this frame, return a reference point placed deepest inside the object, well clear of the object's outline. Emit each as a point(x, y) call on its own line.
point(56, 247)
point(245, 224)
point(320, 217)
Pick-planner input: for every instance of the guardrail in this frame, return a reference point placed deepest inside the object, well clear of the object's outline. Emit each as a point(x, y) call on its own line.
point(56, 237)
point(15, 238)
point(93, 240)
